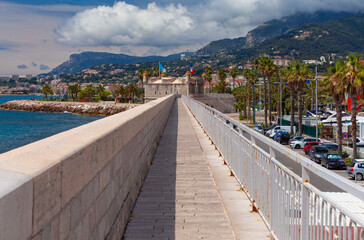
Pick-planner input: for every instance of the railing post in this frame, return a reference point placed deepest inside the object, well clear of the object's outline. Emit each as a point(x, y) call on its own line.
point(252, 161)
point(305, 208)
point(273, 190)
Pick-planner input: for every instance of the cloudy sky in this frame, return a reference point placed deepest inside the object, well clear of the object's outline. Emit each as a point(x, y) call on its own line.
point(38, 36)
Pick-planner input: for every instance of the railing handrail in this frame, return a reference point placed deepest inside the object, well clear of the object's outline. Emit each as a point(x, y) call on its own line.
point(343, 183)
point(268, 164)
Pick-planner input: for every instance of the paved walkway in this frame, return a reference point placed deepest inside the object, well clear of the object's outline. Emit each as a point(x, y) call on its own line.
point(180, 199)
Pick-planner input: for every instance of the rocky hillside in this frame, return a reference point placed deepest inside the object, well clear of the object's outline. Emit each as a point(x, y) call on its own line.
point(79, 62)
point(267, 31)
point(339, 36)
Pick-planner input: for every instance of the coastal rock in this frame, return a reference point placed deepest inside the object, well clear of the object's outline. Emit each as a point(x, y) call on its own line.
point(99, 108)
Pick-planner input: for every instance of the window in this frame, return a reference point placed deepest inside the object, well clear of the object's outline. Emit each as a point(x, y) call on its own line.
point(361, 165)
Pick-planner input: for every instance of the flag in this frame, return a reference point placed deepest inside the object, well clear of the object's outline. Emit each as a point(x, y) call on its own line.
point(192, 70)
point(162, 68)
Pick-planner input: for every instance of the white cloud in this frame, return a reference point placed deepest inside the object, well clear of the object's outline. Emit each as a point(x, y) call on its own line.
point(176, 26)
point(125, 24)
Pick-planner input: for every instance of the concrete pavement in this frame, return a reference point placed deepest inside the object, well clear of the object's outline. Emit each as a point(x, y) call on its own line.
point(189, 193)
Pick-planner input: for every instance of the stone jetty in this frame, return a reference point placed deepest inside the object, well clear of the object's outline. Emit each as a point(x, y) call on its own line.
point(97, 108)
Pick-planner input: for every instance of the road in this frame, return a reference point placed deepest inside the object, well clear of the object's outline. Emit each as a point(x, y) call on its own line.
point(320, 183)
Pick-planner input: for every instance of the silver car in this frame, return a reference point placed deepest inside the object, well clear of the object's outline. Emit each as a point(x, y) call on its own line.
point(356, 168)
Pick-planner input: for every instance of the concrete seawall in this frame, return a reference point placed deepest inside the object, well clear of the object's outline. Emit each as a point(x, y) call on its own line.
point(82, 183)
point(92, 108)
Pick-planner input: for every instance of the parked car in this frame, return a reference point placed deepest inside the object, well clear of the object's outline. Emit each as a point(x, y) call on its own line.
point(273, 131)
point(296, 138)
point(277, 134)
point(283, 138)
point(308, 146)
point(265, 130)
point(356, 168)
point(332, 160)
point(333, 147)
point(317, 151)
point(297, 144)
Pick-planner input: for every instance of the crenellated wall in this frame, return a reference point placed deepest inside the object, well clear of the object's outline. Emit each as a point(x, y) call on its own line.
point(82, 183)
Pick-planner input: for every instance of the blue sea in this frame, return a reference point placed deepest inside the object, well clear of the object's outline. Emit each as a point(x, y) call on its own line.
point(18, 128)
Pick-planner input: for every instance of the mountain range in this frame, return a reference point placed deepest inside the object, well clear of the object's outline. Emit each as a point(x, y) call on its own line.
point(269, 30)
point(84, 60)
point(299, 36)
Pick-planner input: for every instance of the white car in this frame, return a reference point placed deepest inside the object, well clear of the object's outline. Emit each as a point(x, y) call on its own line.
point(301, 143)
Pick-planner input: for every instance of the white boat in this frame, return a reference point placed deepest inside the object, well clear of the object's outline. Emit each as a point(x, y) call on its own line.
point(346, 119)
point(332, 120)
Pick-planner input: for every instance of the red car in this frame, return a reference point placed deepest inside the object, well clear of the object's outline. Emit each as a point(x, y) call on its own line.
point(309, 145)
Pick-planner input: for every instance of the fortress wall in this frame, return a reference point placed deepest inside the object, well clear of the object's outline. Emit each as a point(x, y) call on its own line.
point(82, 183)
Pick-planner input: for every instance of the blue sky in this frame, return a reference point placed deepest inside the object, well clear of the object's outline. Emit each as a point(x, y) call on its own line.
point(39, 35)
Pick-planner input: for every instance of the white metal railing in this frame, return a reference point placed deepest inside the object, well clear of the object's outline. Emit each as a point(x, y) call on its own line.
point(289, 204)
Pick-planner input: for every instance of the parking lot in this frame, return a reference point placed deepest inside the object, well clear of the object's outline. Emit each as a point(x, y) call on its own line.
point(339, 172)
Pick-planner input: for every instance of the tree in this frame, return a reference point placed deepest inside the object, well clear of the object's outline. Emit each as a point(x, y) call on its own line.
point(221, 87)
point(267, 67)
point(114, 89)
point(299, 74)
point(141, 76)
point(233, 73)
point(74, 90)
point(286, 75)
point(222, 74)
point(251, 77)
point(259, 66)
point(90, 91)
point(46, 89)
point(100, 89)
point(353, 77)
point(131, 90)
point(208, 72)
point(331, 87)
point(122, 91)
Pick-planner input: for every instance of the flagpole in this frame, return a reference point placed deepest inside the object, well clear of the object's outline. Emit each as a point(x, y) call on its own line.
point(159, 69)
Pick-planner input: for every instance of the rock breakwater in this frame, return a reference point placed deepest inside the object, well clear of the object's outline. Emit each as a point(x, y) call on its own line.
point(103, 109)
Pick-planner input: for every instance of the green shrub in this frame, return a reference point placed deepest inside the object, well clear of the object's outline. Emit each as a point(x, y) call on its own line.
point(240, 116)
point(345, 154)
point(348, 161)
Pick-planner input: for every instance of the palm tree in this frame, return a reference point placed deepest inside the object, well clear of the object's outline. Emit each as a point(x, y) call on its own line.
point(251, 77)
point(332, 83)
point(131, 90)
point(100, 89)
point(122, 91)
point(259, 66)
point(114, 89)
point(299, 74)
point(70, 89)
point(221, 87)
point(286, 74)
point(222, 74)
point(268, 69)
point(46, 89)
point(141, 76)
point(90, 91)
point(233, 73)
point(241, 94)
point(208, 72)
point(353, 72)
